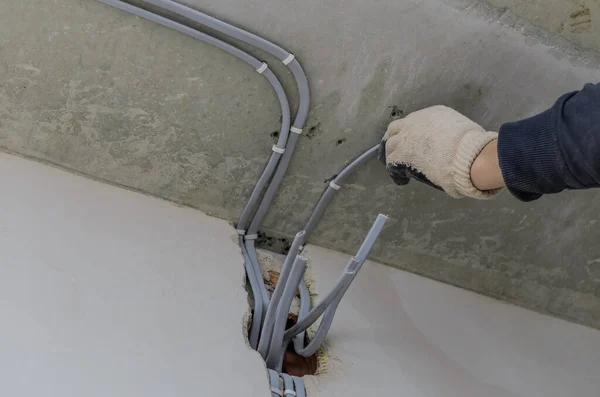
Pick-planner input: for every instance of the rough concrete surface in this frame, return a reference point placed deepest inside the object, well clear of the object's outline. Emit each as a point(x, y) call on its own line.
point(576, 20)
point(106, 292)
point(118, 98)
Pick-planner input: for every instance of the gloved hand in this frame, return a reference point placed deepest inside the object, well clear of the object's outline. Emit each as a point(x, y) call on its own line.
point(436, 146)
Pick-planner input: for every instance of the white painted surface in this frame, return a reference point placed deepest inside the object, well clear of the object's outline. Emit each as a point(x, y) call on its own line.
point(106, 292)
point(398, 334)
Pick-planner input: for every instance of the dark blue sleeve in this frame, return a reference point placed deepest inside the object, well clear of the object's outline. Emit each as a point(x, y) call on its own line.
point(556, 150)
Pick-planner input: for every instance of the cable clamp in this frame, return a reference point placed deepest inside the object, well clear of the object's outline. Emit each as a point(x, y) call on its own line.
point(296, 130)
point(240, 232)
point(334, 185)
point(251, 237)
point(262, 69)
point(289, 59)
point(277, 391)
point(288, 392)
point(278, 149)
point(348, 271)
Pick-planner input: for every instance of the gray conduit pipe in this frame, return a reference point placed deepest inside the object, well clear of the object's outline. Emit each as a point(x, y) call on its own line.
point(299, 241)
point(317, 341)
point(304, 103)
point(304, 309)
point(256, 283)
point(276, 384)
point(320, 208)
point(333, 187)
point(299, 385)
point(288, 385)
point(279, 343)
point(298, 269)
point(341, 286)
point(267, 328)
point(255, 286)
point(284, 56)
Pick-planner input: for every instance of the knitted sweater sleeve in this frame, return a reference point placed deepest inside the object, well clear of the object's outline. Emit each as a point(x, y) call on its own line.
point(555, 150)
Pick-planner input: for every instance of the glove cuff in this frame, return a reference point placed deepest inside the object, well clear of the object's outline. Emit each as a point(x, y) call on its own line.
point(471, 144)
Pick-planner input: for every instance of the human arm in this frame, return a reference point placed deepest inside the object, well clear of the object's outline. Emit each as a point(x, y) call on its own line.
point(555, 150)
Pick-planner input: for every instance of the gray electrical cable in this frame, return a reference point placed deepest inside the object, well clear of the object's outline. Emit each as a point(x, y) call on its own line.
point(249, 38)
point(257, 315)
point(263, 295)
point(329, 305)
point(301, 115)
point(317, 341)
point(281, 315)
point(257, 286)
point(341, 286)
point(299, 386)
point(327, 196)
point(275, 381)
point(286, 57)
point(304, 309)
point(269, 321)
point(274, 171)
point(289, 390)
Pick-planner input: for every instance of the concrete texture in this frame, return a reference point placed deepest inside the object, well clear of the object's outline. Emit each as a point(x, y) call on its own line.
point(576, 20)
point(105, 292)
point(399, 334)
point(117, 98)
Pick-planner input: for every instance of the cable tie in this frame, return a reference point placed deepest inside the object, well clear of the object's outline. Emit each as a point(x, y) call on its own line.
point(288, 392)
point(334, 185)
point(289, 59)
point(278, 149)
point(277, 391)
point(296, 130)
point(251, 237)
point(262, 69)
point(348, 271)
point(240, 232)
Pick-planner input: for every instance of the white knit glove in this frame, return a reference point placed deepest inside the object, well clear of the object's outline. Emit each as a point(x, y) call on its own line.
point(436, 146)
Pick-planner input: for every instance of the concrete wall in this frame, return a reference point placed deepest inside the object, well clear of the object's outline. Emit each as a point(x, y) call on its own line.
point(576, 20)
point(121, 99)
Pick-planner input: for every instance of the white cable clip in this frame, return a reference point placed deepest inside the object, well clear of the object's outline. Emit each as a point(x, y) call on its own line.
point(334, 185)
point(350, 271)
point(296, 130)
point(277, 391)
point(288, 392)
point(240, 232)
point(278, 149)
point(262, 69)
point(289, 59)
point(251, 237)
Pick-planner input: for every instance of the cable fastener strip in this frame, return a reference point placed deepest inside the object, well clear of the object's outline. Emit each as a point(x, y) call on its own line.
point(277, 149)
point(334, 185)
point(296, 130)
point(289, 59)
point(263, 67)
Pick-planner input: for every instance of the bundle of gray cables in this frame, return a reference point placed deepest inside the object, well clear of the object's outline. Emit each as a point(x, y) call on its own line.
point(268, 334)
